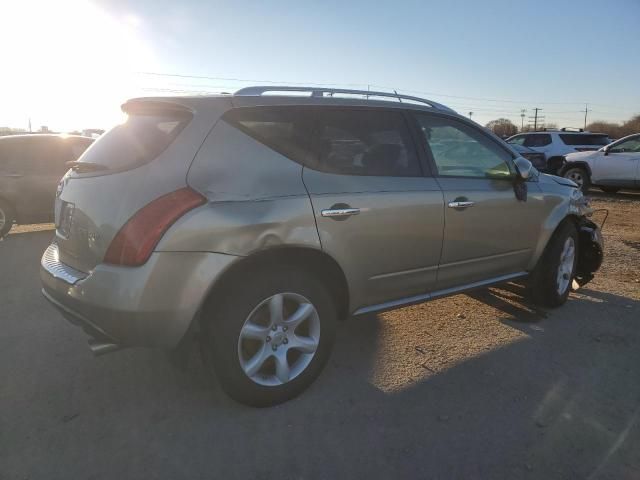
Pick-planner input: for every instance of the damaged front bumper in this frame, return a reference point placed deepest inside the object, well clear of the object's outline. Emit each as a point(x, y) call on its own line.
point(590, 251)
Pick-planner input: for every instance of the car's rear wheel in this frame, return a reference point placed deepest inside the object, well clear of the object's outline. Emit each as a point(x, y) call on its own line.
point(554, 274)
point(578, 175)
point(7, 217)
point(269, 335)
point(610, 189)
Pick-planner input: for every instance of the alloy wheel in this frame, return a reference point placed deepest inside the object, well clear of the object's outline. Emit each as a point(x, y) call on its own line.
point(279, 339)
point(576, 176)
point(565, 268)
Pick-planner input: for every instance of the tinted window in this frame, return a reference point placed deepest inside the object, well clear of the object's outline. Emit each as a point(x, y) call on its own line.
point(584, 139)
point(365, 142)
point(143, 137)
point(462, 151)
point(78, 146)
point(632, 145)
point(537, 140)
point(12, 154)
point(36, 155)
point(285, 130)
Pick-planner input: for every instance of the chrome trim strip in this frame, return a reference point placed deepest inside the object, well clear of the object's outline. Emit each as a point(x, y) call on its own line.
point(52, 264)
point(461, 204)
point(437, 294)
point(403, 272)
point(482, 259)
point(340, 212)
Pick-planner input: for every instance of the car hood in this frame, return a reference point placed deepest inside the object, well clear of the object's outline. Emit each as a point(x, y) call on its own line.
point(546, 178)
point(575, 156)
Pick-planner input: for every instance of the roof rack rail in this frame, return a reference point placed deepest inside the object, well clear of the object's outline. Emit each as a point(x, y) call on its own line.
point(572, 129)
point(321, 91)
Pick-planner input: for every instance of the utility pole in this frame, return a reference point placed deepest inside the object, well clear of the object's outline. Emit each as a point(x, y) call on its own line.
point(586, 110)
point(536, 119)
point(522, 112)
point(29, 124)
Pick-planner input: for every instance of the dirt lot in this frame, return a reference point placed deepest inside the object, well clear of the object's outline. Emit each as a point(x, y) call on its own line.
point(482, 385)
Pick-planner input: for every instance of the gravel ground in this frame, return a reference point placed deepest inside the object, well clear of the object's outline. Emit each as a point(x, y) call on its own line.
point(482, 385)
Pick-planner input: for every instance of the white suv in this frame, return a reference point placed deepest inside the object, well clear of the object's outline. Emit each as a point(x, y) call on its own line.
point(611, 168)
point(555, 144)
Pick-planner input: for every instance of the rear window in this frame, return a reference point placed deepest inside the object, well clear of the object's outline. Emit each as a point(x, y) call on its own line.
point(584, 139)
point(140, 139)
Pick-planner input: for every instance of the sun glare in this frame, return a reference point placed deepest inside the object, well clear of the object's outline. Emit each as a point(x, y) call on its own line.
point(73, 67)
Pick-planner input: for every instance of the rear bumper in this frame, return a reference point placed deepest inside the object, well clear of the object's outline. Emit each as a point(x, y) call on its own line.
point(152, 305)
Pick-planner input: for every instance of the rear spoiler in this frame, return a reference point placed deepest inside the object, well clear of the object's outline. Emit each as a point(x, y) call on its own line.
point(144, 106)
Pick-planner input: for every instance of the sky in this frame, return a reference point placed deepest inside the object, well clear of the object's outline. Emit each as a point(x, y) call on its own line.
point(69, 64)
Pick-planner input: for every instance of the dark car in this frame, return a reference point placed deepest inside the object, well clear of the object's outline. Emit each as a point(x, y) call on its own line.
point(30, 168)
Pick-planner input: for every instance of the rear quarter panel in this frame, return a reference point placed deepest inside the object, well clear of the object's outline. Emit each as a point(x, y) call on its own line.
point(256, 199)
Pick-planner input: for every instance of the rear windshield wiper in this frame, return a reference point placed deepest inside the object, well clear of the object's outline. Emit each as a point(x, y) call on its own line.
point(84, 167)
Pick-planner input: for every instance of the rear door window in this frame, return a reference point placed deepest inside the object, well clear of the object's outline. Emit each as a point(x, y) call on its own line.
point(365, 142)
point(140, 139)
point(537, 140)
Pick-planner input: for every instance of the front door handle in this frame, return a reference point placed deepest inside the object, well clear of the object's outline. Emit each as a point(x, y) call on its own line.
point(12, 175)
point(340, 212)
point(458, 204)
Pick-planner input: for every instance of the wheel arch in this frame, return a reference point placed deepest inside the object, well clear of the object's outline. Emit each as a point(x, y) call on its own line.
point(307, 259)
point(581, 164)
point(550, 228)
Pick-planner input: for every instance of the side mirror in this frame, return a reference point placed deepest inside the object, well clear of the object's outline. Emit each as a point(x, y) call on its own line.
point(605, 149)
point(524, 167)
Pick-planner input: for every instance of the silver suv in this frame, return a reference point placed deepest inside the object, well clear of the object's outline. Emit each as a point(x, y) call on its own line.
point(256, 221)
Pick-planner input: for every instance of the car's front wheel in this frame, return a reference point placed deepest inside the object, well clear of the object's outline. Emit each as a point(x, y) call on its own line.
point(578, 175)
point(7, 217)
point(554, 274)
point(269, 335)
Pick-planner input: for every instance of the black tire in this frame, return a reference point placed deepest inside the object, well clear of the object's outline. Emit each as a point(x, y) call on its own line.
point(225, 315)
point(9, 216)
point(610, 189)
point(578, 175)
point(544, 283)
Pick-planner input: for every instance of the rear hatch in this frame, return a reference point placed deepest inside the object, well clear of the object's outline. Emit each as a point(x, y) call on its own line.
point(128, 167)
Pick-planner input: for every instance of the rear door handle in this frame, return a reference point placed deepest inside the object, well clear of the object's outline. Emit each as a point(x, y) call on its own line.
point(465, 204)
point(12, 175)
point(340, 212)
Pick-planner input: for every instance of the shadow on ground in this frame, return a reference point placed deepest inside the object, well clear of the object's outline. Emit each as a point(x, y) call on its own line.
point(561, 402)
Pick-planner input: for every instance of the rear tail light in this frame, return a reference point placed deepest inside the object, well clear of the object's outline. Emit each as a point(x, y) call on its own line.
point(133, 244)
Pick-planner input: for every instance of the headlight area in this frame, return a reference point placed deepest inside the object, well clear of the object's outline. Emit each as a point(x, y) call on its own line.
point(579, 204)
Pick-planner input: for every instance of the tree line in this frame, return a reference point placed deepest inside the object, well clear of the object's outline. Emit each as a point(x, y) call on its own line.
point(503, 127)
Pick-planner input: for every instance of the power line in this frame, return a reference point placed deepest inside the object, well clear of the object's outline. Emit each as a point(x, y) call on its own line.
point(362, 85)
